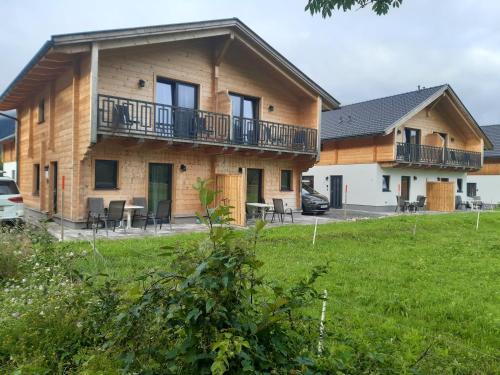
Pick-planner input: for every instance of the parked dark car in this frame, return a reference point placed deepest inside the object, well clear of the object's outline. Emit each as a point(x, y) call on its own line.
point(313, 202)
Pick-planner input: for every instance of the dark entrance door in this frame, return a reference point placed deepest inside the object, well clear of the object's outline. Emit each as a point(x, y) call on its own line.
point(405, 188)
point(55, 172)
point(254, 186)
point(336, 191)
point(471, 189)
point(159, 184)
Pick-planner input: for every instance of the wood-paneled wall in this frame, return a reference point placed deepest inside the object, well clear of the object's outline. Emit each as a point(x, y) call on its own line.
point(441, 196)
point(8, 151)
point(490, 167)
point(358, 150)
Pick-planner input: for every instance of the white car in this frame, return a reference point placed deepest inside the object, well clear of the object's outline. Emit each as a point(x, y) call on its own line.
point(11, 202)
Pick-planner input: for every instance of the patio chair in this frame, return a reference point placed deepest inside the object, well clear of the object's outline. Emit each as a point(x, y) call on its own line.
point(121, 117)
point(141, 215)
point(477, 202)
point(163, 214)
point(400, 204)
point(96, 211)
point(280, 211)
point(459, 203)
point(114, 215)
point(420, 204)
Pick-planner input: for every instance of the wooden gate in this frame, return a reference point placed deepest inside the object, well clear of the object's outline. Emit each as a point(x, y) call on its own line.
point(441, 196)
point(231, 191)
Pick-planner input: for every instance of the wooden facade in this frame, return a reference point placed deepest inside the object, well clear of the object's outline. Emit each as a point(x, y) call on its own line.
point(67, 141)
point(438, 118)
point(441, 196)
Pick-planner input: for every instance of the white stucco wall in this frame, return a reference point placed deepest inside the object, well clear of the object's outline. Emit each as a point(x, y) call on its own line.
point(10, 169)
point(365, 182)
point(488, 187)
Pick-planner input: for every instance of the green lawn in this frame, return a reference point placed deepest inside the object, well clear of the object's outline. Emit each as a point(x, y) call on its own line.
point(391, 294)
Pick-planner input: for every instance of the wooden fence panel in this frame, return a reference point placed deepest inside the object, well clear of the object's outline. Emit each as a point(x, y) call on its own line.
point(231, 190)
point(441, 196)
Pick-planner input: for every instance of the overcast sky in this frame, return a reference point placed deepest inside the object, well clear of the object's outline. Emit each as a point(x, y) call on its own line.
point(355, 56)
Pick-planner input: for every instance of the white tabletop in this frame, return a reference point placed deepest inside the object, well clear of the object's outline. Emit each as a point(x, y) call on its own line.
point(260, 205)
point(132, 207)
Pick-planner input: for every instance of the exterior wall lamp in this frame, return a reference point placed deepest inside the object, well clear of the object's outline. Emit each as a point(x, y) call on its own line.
point(183, 168)
point(270, 108)
point(141, 83)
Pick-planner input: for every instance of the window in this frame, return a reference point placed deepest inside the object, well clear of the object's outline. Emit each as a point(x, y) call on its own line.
point(106, 174)
point(36, 179)
point(41, 111)
point(8, 187)
point(386, 183)
point(460, 184)
point(412, 136)
point(308, 181)
point(286, 180)
point(443, 179)
point(177, 94)
point(471, 189)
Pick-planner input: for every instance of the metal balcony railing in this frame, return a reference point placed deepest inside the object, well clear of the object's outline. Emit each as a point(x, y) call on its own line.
point(137, 118)
point(439, 156)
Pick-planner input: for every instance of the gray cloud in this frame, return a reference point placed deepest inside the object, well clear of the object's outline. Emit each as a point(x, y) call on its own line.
point(356, 56)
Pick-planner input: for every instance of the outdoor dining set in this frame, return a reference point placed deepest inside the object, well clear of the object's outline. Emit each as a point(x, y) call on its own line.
point(262, 209)
point(404, 205)
point(119, 214)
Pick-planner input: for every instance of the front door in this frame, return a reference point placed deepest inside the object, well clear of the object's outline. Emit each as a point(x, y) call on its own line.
point(336, 191)
point(159, 184)
point(405, 188)
point(254, 186)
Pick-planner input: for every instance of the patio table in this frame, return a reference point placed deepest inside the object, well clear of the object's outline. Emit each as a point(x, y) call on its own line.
point(261, 207)
point(129, 208)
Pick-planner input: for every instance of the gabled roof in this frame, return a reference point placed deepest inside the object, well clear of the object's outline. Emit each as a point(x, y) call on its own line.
point(381, 116)
point(56, 53)
point(7, 128)
point(493, 133)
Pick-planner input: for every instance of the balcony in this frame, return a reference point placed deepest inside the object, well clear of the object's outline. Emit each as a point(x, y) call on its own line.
point(141, 119)
point(437, 156)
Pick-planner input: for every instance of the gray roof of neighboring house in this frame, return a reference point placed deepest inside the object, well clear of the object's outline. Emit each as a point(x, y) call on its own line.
point(7, 127)
point(493, 133)
point(374, 116)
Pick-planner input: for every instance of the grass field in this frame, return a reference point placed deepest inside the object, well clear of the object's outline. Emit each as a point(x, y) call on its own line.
point(429, 301)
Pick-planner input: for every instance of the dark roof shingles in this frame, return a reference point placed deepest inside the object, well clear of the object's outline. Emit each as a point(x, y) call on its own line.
point(373, 116)
point(493, 133)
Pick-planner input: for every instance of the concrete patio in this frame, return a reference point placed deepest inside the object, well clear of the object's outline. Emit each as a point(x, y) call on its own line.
point(190, 225)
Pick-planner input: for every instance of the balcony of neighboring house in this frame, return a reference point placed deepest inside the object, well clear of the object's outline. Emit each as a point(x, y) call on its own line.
point(129, 117)
point(418, 155)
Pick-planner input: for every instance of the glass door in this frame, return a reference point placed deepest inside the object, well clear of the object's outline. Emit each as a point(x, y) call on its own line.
point(254, 186)
point(160, 184)
point(175, 110)
point(245, 124)
point(412, 140)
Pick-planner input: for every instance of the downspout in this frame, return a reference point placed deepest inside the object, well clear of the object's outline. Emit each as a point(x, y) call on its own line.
point(16, 142)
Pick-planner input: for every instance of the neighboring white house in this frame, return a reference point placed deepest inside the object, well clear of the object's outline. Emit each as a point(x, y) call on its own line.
point(486, 182)
point(8, 146)
point(376, 150)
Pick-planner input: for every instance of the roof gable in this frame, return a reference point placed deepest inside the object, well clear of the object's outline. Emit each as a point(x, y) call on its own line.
point(68, 44)
point(380, 116)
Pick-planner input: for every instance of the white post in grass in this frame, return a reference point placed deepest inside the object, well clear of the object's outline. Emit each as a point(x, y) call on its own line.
point(477, 221)
point(415, 226)
point(322, 323)
point(345, 203)
point(315, 230)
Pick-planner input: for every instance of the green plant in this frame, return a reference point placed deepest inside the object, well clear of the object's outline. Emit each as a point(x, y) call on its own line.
point(210, 314)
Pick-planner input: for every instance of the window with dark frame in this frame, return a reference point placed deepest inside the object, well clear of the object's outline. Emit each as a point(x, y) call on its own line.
point(460, 184)
point(36, 179)
point(386, 183)
point(286, 180)
point(106, 174)
point(41, 111)
point(471, 189)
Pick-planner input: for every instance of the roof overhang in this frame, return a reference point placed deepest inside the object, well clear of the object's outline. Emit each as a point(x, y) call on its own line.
point(446, 91)
point(58, 53)
point(8, 138)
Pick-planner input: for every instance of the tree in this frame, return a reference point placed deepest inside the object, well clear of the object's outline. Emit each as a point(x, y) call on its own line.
point(326, 7)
